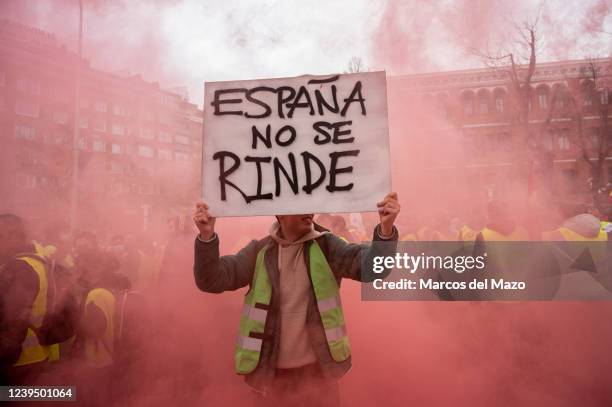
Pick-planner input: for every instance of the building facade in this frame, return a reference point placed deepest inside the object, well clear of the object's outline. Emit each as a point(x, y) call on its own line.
point(139, 145)
point(472, 124)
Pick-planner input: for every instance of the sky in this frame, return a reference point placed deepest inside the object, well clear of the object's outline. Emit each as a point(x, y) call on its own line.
point(187, 42)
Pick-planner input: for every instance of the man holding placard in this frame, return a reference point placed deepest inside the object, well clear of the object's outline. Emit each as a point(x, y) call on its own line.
point(293, 343)
point(289, 147)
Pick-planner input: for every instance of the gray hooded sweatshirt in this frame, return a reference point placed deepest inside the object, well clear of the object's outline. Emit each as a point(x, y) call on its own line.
point(295, 347)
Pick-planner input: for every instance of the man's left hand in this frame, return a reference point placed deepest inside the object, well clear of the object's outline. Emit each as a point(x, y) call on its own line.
point(388, 209)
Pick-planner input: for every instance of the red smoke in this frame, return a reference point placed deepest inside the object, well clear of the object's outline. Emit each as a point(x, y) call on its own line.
point(405, 353)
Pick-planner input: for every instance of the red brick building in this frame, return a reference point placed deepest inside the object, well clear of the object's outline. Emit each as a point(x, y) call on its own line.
point(139, 145)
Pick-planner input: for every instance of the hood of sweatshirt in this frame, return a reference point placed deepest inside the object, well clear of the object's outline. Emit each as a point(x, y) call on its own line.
point(275, 234)
point(584, 224)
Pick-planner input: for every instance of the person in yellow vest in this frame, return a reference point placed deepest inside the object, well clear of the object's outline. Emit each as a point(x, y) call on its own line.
point(578, 227)
point(467, 234)
point(501, 225)
point(102, 325)
point(33, 316)
point(292, 344)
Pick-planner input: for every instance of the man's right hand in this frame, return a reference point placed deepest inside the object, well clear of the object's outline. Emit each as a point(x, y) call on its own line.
point(204, 221)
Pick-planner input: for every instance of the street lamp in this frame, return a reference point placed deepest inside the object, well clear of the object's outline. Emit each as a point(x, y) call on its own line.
point(75, 136)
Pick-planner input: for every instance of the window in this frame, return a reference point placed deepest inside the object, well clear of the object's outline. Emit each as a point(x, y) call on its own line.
point(587, 93)
point(119, 110)
point(99, 146)
point(22, 84)
point(147, 133)
point(146, 189)
point(26, 181)
point(84, 102)
point(563, 140)
point(27, 85)
point(48, 182)
point(26, 108)
point(594, 137)
point(115, 187)
point(116, 167)
point(35, 87)
point(604, 97)
point(101, 106)
point(181, 156)
point(60, 117)
point(441, 105)
point(100, 125)
point(60, 96)
point(60, 138)
point(82, 144)
point(118, 129)
point(543, 100)
point(504, 142)
point(145, 151)
point(548, 141)
point(25, 132)
point(560, 98)
point(483, 104)
point(146, 169)
point(499, 103)
point(181, 139)
point(468, 104)
point(84, 122)
point(164, 154)
point(116, 148)
point(165, 137)
point(569, 177)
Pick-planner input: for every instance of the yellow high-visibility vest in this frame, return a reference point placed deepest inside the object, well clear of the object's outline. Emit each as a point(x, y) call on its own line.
point(519, 234)
point(257, 305)
point(99, 351)
point(410, 237)
point(467, 234)
point(31, 349)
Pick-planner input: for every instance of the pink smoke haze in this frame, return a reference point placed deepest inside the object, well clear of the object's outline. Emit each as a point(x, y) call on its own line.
point(404, 353)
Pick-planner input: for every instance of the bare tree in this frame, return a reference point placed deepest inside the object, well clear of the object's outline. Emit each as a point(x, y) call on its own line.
point(592, 90)
point(517, 62)
point(355, 65)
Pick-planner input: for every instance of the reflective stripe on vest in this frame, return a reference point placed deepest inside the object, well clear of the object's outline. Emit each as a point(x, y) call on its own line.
point(257, 302)
point(518, 234)
point(31, 349)
point(327, 292)
point(99, 351)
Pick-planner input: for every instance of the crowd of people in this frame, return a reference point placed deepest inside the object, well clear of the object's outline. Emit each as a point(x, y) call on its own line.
point(74, 308)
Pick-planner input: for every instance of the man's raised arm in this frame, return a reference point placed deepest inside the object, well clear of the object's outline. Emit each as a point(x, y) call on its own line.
point(214, 273)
